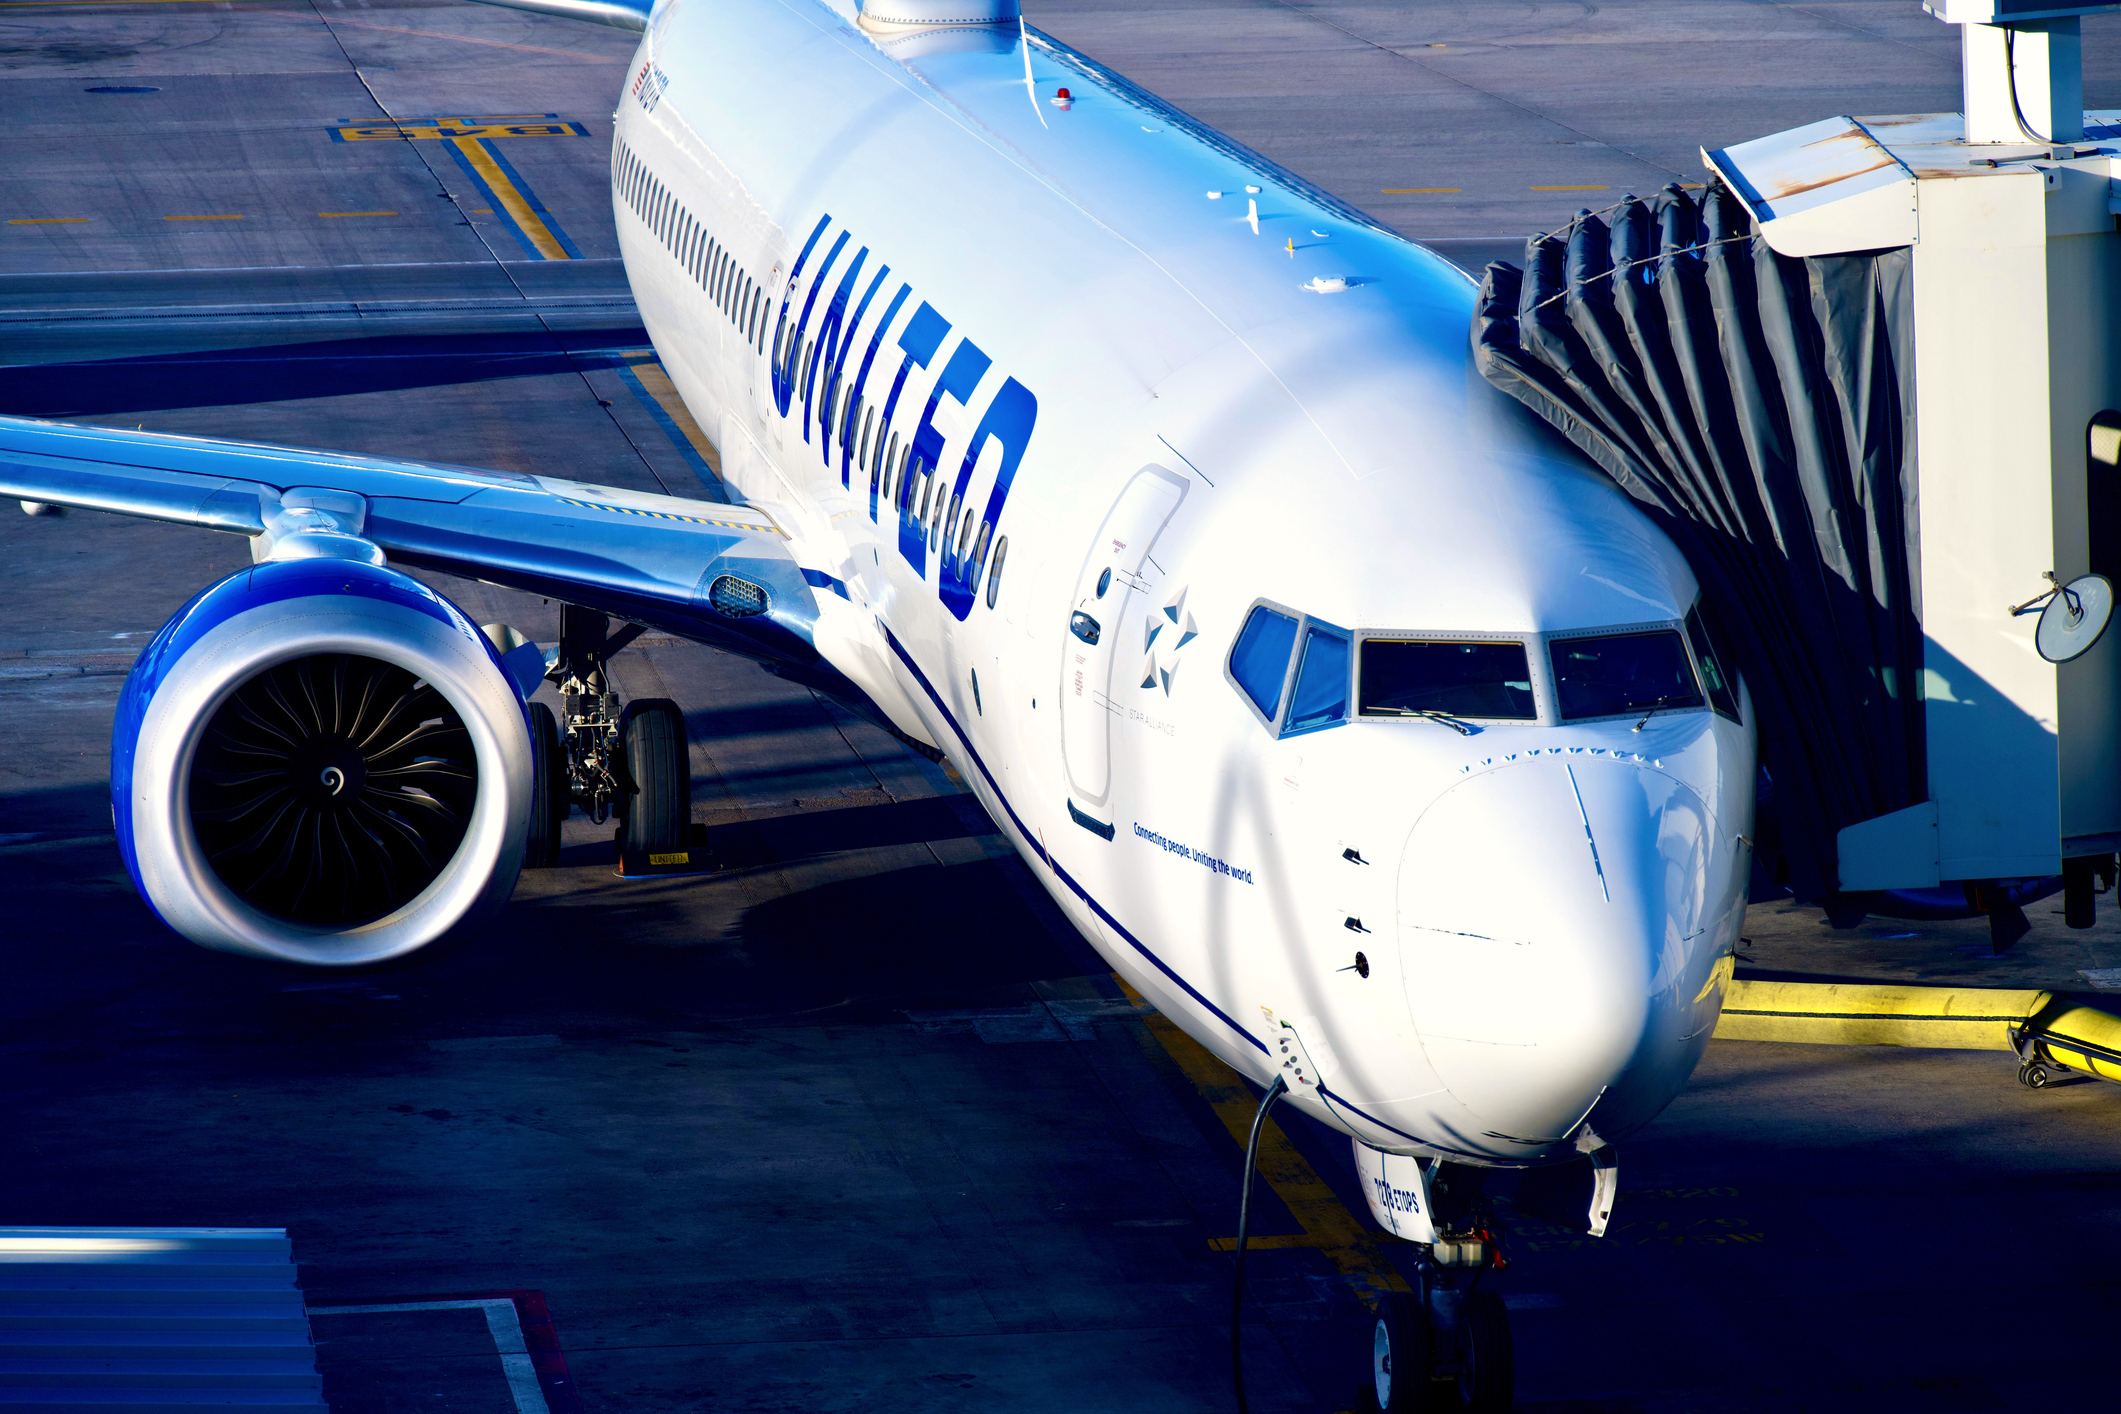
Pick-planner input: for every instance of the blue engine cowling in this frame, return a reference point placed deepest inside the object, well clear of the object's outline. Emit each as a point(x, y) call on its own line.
point(320, 761)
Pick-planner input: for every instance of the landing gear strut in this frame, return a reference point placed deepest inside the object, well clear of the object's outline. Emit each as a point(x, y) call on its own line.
point(589, 710)
point(1446, 1344)
point(632, 763)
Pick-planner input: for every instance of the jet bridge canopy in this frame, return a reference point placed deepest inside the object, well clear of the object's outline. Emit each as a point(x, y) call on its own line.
point(1760, 408)
point(1868, 382)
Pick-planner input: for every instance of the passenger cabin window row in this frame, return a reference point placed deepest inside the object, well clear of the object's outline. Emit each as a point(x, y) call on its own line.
point(865, 442)
point(1301, 673)
point(740, 297)
point(898, 479)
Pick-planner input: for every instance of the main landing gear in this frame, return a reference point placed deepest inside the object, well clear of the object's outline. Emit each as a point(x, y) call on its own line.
point(631, 762)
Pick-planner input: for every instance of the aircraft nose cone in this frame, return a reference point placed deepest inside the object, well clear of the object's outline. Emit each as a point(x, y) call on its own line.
point(1545, 913)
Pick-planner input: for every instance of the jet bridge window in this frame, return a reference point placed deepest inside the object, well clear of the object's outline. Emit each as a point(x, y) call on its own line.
point(1260, 661)
point(1623, 672)
point(1403, 677)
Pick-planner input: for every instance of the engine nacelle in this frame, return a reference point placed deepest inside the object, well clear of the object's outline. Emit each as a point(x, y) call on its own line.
point(320, 761)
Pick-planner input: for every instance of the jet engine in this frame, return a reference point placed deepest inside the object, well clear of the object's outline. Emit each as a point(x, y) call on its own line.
point(321, 761)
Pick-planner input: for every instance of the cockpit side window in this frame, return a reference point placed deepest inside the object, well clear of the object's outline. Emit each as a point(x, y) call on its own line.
point(1714, 664)
point(1623, 672)
point(1321, 696)
point(1260, 661)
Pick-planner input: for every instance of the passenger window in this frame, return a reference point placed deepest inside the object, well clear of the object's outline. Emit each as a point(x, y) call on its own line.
point(1626, 672)
point(1408, 677)
point(979, 557)
point(994, 574)
point(1260, 660)
point(1715, 674)
point(1321, 696)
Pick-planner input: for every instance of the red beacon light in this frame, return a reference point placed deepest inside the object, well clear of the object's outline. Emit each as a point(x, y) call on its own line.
point(1064, 99)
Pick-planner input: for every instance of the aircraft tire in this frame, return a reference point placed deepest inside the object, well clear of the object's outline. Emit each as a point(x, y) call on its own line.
point(549, 790)
point(1488, 1375)
point(659, 770)
point(1400, 1358)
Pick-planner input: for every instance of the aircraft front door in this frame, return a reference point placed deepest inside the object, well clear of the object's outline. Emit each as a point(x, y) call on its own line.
point(1111, 596)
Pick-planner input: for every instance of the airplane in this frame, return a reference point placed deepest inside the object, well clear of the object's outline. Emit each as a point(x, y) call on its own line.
point(1361, 726)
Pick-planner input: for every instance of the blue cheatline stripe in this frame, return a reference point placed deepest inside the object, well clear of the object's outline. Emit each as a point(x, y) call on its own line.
point(677, 438)
point(566, 242)
point(1051, 863)
point(1080, 892)
point(818, 579)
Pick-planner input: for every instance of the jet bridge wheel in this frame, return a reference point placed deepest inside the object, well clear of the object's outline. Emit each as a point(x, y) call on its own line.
point(658, 804)
point(549, 790)
point(1401, 1361)
point(1487, 1374)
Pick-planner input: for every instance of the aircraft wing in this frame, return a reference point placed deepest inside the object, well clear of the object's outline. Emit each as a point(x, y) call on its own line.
point(619, 14)
point(718, 574)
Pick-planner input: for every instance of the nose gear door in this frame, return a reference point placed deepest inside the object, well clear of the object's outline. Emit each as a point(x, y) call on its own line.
point(1108, 591)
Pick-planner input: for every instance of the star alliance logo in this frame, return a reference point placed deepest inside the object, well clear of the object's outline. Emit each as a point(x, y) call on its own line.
point(1162, 663)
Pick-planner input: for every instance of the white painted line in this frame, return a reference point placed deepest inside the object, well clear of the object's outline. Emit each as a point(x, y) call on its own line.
point(501, 1324)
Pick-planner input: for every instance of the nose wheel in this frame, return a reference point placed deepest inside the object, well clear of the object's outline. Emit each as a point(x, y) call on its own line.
point(1419, 1365)
point(1400, 1359)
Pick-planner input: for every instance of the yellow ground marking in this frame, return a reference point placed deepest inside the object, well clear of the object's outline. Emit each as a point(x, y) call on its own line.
point(1328, 1226)
point(357, 213)
point(334, 21)
point(1415, 191)
point(1598, 188)
point(497, 182)
point(645, 367)
point(202, 218)
point(46, 220)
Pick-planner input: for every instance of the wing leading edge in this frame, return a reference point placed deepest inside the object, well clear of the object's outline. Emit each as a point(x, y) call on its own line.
point(717, 574)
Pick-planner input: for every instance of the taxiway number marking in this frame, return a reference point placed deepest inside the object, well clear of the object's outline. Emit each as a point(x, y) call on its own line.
point(471, 138)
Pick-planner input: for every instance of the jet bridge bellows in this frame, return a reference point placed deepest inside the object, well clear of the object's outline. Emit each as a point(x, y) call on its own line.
point(1760, 408)
point(1870, 382)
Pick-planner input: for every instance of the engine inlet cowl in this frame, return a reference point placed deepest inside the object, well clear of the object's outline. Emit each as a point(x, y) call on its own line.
point(321, 762)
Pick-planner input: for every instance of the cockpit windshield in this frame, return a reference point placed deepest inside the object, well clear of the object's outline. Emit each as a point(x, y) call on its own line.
point(1623, 672)
point(1412, 677)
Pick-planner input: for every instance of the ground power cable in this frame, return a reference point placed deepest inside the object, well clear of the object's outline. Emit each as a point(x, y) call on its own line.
point(1244, 1225)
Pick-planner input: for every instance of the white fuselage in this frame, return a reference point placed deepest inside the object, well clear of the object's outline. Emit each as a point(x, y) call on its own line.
point(1224, 400)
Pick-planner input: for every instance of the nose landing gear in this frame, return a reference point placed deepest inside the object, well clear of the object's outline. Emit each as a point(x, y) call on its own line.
point(1445, 1345)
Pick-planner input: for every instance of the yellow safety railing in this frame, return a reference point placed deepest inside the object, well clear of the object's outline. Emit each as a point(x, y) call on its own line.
point(2043, 1029)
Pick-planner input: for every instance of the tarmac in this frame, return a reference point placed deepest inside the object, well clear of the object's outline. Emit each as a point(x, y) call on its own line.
point(858, 1123)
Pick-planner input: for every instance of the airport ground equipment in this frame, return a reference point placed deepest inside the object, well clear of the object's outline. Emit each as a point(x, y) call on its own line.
point(151, 1318)
point(2049, 1032)
point(1869, 381)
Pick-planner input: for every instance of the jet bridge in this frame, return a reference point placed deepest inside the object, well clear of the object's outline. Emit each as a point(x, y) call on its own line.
point(1870, 380)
